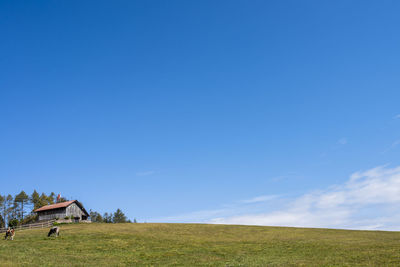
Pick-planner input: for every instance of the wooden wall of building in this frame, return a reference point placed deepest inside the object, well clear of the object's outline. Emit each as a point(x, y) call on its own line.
point(61, 213)
point(75, 211)
point(52, 214)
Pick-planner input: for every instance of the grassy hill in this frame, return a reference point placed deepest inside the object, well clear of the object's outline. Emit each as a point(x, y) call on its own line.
point(199, 245)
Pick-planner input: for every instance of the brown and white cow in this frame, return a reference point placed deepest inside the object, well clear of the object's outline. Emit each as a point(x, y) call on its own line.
point(10, 233)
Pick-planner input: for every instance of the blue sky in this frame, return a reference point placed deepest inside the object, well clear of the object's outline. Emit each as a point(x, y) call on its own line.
point(204, 111)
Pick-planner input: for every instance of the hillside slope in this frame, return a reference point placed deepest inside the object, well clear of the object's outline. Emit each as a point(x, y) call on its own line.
point(199, 245)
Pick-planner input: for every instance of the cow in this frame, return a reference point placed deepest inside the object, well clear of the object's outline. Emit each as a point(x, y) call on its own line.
point(54, 230)
point(10, 233)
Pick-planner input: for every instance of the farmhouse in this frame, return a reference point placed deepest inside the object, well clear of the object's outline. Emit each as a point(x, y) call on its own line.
point(61, 210)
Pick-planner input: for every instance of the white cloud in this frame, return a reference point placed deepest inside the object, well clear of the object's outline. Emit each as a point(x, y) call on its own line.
point(259, 199)
point(255, 204)
point(397, 116)
point(368, 200)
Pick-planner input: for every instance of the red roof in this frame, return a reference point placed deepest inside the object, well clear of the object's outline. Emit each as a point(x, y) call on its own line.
point(55, 206)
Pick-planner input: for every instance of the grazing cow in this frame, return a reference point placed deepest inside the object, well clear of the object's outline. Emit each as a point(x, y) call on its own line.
point(10, 233)
point(54, 230)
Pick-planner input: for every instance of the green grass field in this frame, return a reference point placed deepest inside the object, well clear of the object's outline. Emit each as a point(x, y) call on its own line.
point(199, 245)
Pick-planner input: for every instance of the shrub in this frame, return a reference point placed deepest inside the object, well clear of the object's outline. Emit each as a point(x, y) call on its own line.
point(31, 218)
point(13, 223)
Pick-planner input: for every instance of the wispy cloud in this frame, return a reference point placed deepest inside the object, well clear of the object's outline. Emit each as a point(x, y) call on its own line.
point(397, 116)
point(392, 146)
point(256, 204)
point(368, 200)
point(145, 173)
point(259, 199)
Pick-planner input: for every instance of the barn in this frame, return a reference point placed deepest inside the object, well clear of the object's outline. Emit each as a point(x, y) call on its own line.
point(61, 210)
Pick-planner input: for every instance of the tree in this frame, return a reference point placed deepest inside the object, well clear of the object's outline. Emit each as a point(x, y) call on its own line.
point(119, 217)
point(8, 208)
point(3, 208)
point(22, 198)
point(31, 218)
point(98, 218)
point(14, 210)
point(62, 199)
point(50, 198)
point(107, 218)
point(43, 200)
point(95, 216)
point(134, 220)
point(2, 222)
point(13, 223)
point(35, 200)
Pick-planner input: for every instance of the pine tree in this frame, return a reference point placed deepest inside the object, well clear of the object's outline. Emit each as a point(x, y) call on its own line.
point(95, 216)
point(43, 200)
point(3, 208)
point(62, 199)
point(2, 222)
point(50, 198)
point(35, 199)
point(119, 217)
point(22, 198)
point(15, 210)
point(8, 208)
point(107, 218)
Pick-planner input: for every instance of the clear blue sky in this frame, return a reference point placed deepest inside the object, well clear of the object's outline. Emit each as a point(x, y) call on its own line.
point(167, 108)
